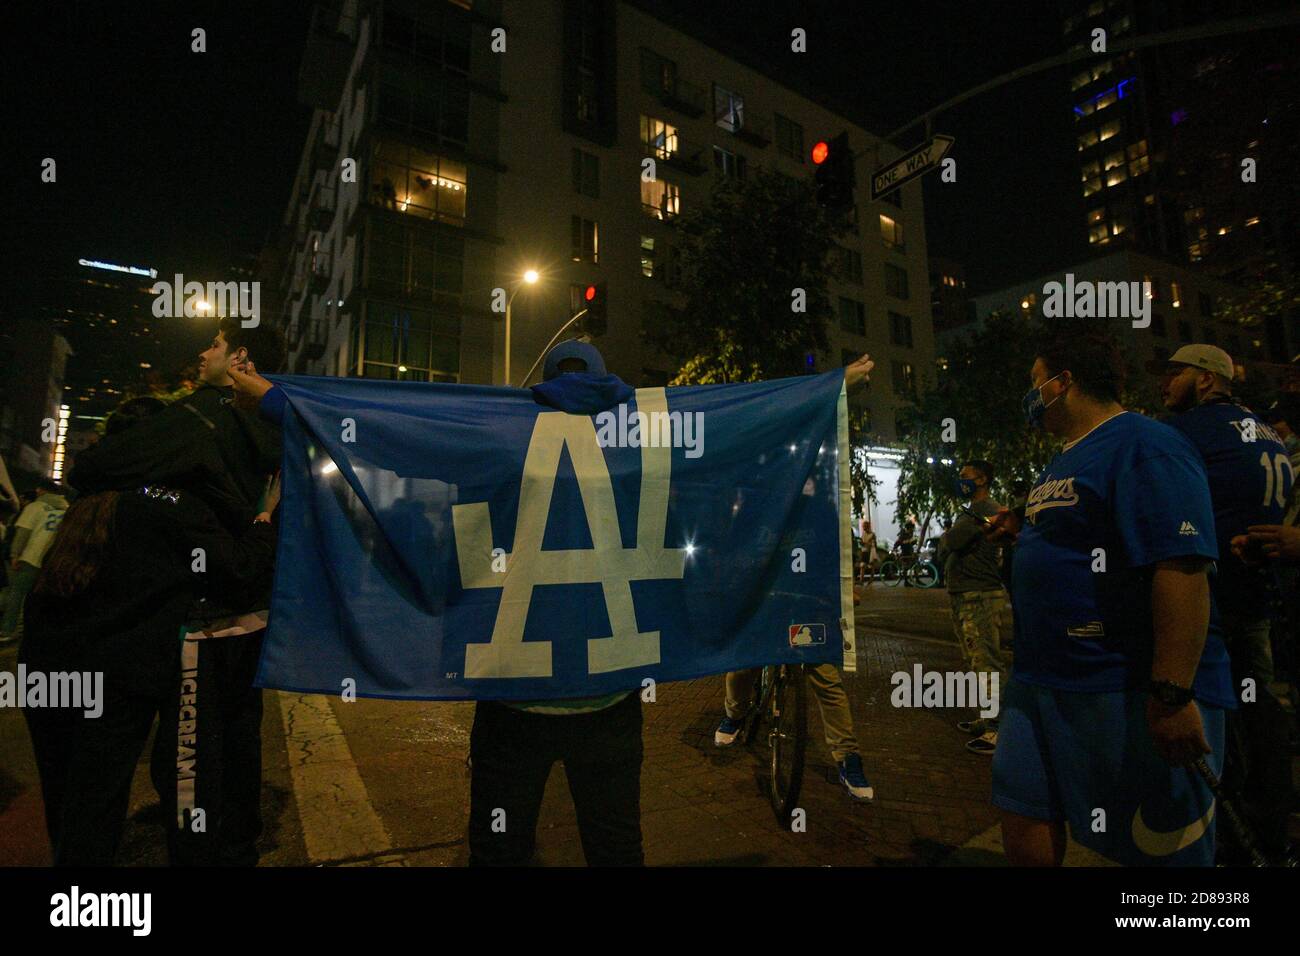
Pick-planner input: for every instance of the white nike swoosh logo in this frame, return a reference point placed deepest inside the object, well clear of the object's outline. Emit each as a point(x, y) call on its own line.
point(1157, 843)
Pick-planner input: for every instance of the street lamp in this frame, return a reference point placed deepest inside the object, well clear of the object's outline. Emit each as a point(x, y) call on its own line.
point(530, 278)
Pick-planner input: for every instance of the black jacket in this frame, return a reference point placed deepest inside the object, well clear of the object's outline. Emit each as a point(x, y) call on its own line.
point(201, 443)
point(127, 622)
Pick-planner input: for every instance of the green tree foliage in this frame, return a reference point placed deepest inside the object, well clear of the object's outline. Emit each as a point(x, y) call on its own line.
point(743, 254)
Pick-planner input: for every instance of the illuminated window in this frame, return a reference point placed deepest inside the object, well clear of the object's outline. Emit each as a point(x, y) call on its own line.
point(658, 137)
point(660, 199)
point(1152, 286)
point(1137, 149)
point(1110, 129)
point(891, 231)
point(1096, 216)
point(728, 109)
point(410, 180)
point(1114, 159)
point(1116, 176)
point(648, 256)
point(1253, 221)
point(1088, 139)
point(1090, 170)
point(1080, 80)
point(1092, 186)
point(1109, 98)
point(1175, 295)
point(1118, 228)
point(1102, 69)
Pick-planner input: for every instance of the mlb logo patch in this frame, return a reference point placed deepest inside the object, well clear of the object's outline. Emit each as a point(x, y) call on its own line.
point(804, 635)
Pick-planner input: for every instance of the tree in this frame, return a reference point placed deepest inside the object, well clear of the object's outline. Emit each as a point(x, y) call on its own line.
point(753, 287)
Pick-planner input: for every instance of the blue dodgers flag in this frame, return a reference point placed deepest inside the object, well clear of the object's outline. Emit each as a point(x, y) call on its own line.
point(452, 542)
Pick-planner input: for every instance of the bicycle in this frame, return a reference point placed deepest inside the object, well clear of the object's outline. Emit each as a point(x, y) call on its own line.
point(897, 569)
point(780, 703)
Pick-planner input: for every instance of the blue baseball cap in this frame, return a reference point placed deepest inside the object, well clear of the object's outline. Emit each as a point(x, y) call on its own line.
point(573, 349)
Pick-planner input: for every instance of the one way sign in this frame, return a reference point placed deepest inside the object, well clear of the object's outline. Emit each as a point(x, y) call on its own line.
point(920, 160)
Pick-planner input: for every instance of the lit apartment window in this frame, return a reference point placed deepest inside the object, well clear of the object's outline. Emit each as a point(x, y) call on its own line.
point(1080, 80)
point(1102, 69)
point(658, 137)
point(419, 183)
point(728, 109)
point(1109, 98)
point(1089, 170)
point(1098, 234)
point(648, 256)
point(1114, 159)
point(1253, 221)
point(1116, 176)
point(1152, 286)
point(1175, 295)
point(1096, 215)
point(586, 173)
point(1088, 139)
point(1110, 130)
point(900, 330)
point(896, 281)
point(585, 240)
point(1139, 161)
point(789, 138)
point(728, 163)
point(1092, 186)
point(853, 316)
point(891, 231)
point(660, 199)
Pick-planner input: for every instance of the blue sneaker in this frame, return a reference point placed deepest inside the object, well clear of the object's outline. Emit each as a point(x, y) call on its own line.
point(854, 780)
point(727, 731)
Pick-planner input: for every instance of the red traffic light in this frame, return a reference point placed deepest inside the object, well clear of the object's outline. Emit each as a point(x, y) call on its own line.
point(590, 293)
point(820, 152)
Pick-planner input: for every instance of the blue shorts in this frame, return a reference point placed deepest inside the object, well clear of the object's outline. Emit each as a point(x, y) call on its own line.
point(1088, 759)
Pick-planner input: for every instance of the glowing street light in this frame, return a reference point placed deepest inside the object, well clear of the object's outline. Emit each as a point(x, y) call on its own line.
point(530, 277)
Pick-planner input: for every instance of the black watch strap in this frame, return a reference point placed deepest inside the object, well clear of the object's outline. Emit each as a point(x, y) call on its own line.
point(1169, 693)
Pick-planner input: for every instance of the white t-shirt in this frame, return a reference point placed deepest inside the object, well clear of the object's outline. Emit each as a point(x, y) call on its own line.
point(41, 518)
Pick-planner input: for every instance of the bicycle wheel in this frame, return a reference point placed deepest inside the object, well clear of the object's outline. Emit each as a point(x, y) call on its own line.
point(788, 740)
point(925, 575)
point(758, 705)
point(891, 573)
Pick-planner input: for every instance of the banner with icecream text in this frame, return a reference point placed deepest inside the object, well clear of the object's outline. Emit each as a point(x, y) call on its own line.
point(460, 542)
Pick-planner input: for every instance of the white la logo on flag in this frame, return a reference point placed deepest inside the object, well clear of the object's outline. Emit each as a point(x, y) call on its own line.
point(607, 562)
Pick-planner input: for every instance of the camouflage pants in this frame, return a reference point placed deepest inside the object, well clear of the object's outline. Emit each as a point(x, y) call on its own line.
point(977, 624)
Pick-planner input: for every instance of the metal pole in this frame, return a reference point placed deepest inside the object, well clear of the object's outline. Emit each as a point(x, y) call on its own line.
point(510, 300)
point(548, 347)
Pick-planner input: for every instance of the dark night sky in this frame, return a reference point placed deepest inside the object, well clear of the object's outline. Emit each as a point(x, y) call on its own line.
point(184, 160)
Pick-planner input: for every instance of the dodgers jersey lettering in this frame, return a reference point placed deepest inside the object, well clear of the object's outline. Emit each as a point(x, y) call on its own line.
point(1250, 478)
point(1131, 493)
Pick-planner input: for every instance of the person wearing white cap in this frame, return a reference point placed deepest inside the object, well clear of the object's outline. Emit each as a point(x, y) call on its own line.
point(1250, 477)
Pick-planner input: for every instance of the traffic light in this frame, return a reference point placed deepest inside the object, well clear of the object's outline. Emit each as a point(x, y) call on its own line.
point(595, 301)
point(835, 178)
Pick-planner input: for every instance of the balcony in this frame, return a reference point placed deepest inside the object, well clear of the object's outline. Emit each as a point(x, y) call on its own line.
point(680, 158)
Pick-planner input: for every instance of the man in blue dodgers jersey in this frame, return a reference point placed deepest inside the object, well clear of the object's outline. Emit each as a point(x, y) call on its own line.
point(1120, 677)
point(1250, 477)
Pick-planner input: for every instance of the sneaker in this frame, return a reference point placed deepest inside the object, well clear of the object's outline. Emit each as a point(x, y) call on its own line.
point(985, 743)
point(976, 728)
point(854, 780)
point(728, 731)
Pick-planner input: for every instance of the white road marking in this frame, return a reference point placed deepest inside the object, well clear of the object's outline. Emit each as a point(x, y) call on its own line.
point(338, 821)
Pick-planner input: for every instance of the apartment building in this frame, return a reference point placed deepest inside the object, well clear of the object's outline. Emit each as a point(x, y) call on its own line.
point(455, 145)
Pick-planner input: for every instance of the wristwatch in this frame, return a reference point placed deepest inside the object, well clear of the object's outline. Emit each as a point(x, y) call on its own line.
point(1169, 693)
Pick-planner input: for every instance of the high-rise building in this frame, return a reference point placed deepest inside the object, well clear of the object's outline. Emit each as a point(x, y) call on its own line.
point(439, 167)
point(1165, 135)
